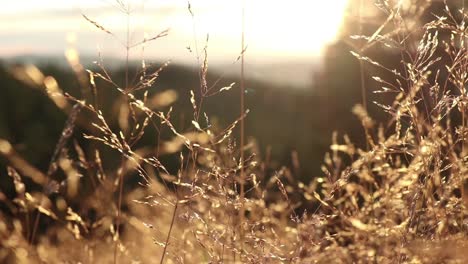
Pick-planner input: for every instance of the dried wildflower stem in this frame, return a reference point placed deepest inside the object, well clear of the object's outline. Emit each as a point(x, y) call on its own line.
point(36, 224)
point(127, 50)
point(176, 204)
point(361, 72)
point(65, 136)
point(242, 128)
point(361, 63)
point(463, 140)
point(166, 244)
point(174, 213)
point(120, 171)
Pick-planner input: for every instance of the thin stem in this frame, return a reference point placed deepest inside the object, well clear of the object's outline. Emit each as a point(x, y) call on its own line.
point(119, 206)
point(361, 64)
point(120, 172)
point(170, 231)
point(36, 224)
point(463, 89)
point(361, 72)
point(242, 127)
point(127, 52)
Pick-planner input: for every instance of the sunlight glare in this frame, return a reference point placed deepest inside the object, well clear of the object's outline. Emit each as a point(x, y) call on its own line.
point(286, 29)
point(278, 28)
point(296, 27)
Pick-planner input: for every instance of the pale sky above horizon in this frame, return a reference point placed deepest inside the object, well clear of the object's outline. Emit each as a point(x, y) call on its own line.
point(275, 31)
point(273, 28)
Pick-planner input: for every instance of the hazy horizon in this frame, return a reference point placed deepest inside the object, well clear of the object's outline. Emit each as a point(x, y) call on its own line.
point(49, 27)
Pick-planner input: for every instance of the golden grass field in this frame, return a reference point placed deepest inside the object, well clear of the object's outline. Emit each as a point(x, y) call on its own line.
point(402, 197)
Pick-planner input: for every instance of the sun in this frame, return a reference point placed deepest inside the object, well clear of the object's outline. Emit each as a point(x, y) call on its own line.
point(295, 27)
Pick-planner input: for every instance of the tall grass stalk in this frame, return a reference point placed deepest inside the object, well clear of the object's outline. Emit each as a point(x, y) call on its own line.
point(242, 127)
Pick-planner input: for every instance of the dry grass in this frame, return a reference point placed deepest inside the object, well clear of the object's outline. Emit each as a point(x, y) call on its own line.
point(402, 199)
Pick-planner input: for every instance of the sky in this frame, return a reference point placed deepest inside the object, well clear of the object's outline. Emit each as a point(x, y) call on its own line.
point(294, 31)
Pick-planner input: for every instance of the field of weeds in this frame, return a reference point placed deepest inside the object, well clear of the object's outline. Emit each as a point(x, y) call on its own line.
point(399, 197)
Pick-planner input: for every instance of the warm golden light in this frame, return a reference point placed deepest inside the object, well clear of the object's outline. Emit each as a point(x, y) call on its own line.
point(285, 28)
point(5, 147)
point(295, 28)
